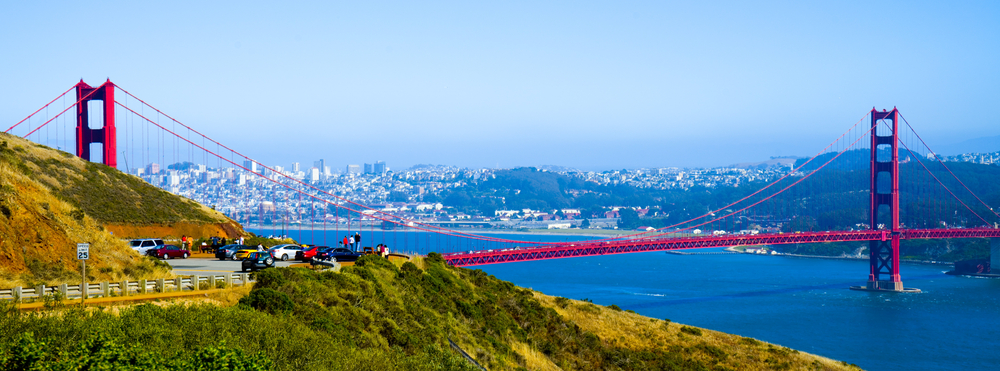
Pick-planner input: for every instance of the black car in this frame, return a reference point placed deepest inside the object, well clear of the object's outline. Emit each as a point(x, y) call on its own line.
point(258, 260)
point(229, 251)
point(338, 254)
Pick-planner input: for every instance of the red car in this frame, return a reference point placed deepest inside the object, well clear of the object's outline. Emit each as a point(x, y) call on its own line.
point(308, 253)
point(168, 251)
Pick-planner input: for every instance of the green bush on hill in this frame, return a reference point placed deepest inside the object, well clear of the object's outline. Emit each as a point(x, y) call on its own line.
point(372, 316)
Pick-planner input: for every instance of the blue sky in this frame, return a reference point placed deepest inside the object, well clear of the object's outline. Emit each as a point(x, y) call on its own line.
point(593, 85)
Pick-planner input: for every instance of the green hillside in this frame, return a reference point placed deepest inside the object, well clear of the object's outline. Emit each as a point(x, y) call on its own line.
point(380, 316)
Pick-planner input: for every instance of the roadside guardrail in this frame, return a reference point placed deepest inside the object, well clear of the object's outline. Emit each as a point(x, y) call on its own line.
point(125, 288)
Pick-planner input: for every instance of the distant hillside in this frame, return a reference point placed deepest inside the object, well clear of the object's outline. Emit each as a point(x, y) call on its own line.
point(51, 200)
point(977, 145)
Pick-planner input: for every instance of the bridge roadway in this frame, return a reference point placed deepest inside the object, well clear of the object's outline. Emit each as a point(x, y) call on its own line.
point(583, 248)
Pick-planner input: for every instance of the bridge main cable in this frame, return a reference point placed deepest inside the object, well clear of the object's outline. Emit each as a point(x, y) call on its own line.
point(39, 110)
point(713, 212)
point(422, 227)
point(426, 227)
point(938, 158)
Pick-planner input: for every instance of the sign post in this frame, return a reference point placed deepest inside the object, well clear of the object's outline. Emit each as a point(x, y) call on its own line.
point(83, 253)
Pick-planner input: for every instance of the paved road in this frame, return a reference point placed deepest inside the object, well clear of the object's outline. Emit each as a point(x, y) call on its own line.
point(206, 266)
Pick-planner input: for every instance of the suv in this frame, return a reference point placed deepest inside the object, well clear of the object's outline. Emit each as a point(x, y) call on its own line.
point(257, 260)
point(143, 245)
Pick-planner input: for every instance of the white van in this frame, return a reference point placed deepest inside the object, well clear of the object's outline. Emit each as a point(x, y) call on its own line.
point(144, 244)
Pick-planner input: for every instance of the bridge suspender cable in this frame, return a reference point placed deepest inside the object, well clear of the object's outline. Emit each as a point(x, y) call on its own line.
point(40, 109)
point(938, 158)
point(426, 227)
point(776, 193)
point(57, 115)
point(444, 231)
point(713, 212)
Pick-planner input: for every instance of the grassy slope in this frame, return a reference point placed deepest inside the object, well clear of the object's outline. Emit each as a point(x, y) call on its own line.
point(51, 200)
point(379, 316)
point(104, 193)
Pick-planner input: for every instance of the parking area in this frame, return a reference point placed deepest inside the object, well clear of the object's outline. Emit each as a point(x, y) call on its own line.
point(201, 266)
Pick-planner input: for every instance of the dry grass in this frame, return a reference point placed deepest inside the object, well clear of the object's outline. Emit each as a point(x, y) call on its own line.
point(39, 231)
point(227, 297)
point(224, 298)
point(633, 331)
point(533, 359)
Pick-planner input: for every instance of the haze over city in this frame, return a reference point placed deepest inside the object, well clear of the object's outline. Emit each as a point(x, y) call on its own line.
point(587, 85)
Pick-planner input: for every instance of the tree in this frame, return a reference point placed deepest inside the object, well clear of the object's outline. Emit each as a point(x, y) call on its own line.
point(397, 196)
point(802, 223)
point(628, 219)
point(585, 224)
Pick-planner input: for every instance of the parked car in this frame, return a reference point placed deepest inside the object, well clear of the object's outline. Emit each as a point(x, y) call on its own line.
point(169, 251)
point(284, 252)
point(143, 245)
point(308, 252)
point(258, 260)
point(229, 251)
point(338, 254)
point(246, 250)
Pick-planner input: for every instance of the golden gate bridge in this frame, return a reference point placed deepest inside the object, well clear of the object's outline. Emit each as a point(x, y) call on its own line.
point(863, 167)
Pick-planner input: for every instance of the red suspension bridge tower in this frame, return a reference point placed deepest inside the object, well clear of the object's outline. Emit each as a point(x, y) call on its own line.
point(106, 135)
point(884, 252)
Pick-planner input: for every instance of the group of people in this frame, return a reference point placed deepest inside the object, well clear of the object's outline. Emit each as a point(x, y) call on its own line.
point(382, 250)
point(352, 242)
point(217, 242)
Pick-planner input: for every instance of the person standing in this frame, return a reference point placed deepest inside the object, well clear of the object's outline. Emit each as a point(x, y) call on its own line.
point(241, 240)
point(351, 240)
point(357, 239)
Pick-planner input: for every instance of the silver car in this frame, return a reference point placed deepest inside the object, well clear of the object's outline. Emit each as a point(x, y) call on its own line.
point(285, 252)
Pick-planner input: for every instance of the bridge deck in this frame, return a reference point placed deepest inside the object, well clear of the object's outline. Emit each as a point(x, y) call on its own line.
point(583, 248)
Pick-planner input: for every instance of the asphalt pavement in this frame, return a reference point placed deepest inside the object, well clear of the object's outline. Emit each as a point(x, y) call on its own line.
point(206, 266)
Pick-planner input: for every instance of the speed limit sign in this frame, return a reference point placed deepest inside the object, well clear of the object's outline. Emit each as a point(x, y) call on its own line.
point(83, 251)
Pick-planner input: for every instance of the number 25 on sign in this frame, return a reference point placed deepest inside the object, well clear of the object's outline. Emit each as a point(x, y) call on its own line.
point(83, 251)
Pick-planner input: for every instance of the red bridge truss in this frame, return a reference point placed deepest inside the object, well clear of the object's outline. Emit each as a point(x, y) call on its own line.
point(579, 249)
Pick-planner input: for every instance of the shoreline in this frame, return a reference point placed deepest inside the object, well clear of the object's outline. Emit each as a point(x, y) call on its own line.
point(924, 262)
point(541, 232)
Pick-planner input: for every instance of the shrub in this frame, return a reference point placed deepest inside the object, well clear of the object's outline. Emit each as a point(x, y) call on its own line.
point(434, 258)
point(271, 278)
point(749, 341)
point(268, 300)
point(691, 330)
point(410, 269)
point(562, 302)
point(712, 350)
point(615, 308)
